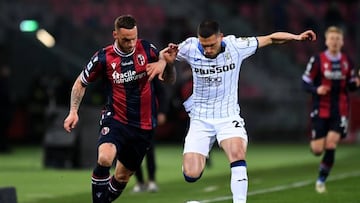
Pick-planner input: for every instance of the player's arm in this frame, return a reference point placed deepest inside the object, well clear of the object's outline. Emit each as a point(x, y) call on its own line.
point(354, 80)
point(169, 56)
point(312, 70)
point(164, 67)
point(77, 93)
point(282, 37)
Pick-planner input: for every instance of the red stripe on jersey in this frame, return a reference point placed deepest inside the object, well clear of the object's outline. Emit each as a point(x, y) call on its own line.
point(146, 93)
point(129, 94)
point(340, 99)
point(325, 102)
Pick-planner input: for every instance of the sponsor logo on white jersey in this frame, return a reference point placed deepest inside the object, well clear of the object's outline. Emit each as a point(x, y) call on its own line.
point(214, 69)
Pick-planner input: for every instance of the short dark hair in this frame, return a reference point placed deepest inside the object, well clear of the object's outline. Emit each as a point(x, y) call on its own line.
point(125, 21)
point(207, 28)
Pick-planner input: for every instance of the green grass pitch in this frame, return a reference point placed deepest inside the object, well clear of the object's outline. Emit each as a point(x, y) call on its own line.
point(278, 173)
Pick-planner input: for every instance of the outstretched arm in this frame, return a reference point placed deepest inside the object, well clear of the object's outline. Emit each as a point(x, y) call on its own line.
point(282, 37)
point(77, 93)
point(164, 68)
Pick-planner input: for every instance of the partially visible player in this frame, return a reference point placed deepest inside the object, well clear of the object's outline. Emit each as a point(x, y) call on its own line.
point(213, 107)
point(329, 76)
point(129, 115)
point(151, 167)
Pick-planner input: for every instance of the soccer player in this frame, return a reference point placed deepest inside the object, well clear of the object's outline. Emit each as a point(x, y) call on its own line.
point(129, 115)
point(329, 76)
point(151, 185)
point(213, 107)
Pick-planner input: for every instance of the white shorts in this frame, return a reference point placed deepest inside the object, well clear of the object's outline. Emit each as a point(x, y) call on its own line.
point(203, 133)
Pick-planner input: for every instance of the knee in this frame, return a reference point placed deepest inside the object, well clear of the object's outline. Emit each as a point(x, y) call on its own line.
point(191, 178)
point(122, 177)
point(192, 174)
point(317, 152)
point(105, 159)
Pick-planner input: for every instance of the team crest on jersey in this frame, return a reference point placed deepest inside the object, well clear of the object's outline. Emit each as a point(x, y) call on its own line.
point(105, 130)
point(140, 59)
point(227, 56)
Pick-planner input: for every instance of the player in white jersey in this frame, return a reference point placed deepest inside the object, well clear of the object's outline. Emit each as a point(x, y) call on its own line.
point(213, 107)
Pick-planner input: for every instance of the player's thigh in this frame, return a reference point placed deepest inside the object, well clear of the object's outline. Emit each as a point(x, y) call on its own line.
point(232, 127)
point(234, 148)
point(332, 139)
point(317, 145)
point(198, 143)
point(200, 137)
point(193, 164)
point(232, 137)
point(319, 131)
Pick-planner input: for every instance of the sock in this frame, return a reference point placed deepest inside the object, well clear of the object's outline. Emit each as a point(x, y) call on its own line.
point(326, 164)
point(191, 179)
point(150, 163)
point(139, 176)
point(114, 189)
point(239, 181)
point(99, 180)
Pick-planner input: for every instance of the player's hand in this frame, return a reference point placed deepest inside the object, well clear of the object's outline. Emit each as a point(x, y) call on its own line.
point(323, 90)
point(161, 118)
point(357, 81)
point(156, 69)
point(71, 121)
point(166, 56)
point(170, 52)
point(308, 35)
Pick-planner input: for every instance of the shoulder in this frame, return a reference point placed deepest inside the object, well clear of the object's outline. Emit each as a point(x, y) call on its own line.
point(189, 42)
point(229, 38)
point(240, 41)
point(146, 44)
point(315, 59)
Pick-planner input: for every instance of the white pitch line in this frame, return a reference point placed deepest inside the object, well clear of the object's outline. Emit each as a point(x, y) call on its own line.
point(285, 187)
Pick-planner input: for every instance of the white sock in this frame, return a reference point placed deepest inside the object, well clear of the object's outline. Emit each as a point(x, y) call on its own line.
point(239, 184)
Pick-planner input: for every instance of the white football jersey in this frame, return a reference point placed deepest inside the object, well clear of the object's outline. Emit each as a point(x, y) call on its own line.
point(215, 93)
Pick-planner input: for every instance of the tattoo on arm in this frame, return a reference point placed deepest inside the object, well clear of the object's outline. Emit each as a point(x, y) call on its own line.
point(77, 94)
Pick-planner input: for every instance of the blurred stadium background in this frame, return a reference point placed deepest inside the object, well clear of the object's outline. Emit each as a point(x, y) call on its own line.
point(38, 77)
point(45, 43)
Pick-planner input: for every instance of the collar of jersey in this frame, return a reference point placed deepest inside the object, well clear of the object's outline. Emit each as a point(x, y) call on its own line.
point(201, 49)
point(119, 52)
point(333, 58)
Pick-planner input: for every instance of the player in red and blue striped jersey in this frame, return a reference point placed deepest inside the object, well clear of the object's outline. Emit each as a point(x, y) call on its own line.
point(129, 115)
point(329, 76)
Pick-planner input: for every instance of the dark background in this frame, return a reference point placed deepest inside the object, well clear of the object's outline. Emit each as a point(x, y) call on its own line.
point(36, 80)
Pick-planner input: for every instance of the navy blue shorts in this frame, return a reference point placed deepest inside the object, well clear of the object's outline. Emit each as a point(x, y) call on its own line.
point(131, 143)
point(321, 126)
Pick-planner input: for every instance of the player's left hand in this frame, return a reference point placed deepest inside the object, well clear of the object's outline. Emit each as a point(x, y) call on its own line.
point(166, 56)
point(170, 52)
point(156, 68)
point(308, 35)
